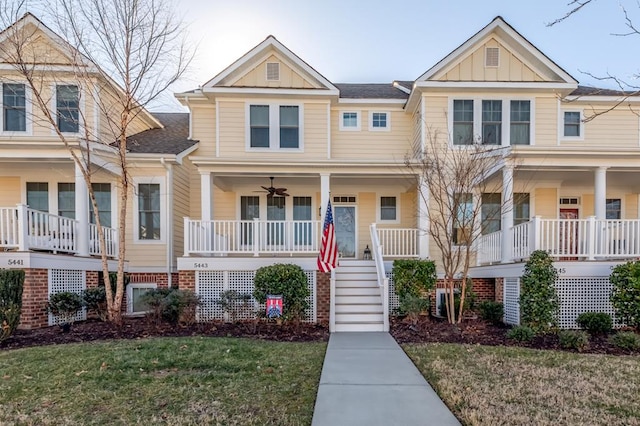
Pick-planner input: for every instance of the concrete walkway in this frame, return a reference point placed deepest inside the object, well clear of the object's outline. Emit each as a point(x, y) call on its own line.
point(367, 379)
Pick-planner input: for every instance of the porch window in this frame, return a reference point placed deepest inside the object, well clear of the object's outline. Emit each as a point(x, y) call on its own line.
point(249, 210)
point(521, 208)
point(520, 122)
point(463, 206)
point(67, 200)
point(303, 231)
point(275, 214)
point(614, 209)
point(388, 209)
point(572, 124)
point(68, 108)
point(490, 213)
point(259, 118)
point(38, 196)
point(492, 122)
point(462, 122)
point(289, 126)
point(102, 192)
point(14, 106)
point(148, 211)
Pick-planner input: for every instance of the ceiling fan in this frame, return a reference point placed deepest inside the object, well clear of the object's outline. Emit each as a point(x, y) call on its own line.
point(273, 191)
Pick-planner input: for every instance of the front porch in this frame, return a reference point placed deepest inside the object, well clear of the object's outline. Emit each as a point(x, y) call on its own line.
point(24, 229)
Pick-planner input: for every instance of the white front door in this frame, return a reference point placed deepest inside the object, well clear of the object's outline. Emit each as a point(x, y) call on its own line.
point(345, 224)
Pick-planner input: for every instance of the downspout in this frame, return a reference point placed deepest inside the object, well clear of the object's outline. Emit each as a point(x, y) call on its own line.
point(169, 168)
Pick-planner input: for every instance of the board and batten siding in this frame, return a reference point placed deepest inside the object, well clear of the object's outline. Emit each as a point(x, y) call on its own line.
point(289, 78)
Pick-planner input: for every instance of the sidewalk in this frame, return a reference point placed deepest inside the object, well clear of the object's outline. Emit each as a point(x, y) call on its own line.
point(367, 379)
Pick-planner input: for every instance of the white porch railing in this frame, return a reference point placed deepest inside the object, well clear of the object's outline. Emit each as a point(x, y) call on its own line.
point(568, 239)
point(251, 237)
point(26, 229)
point(383, 281)
point(110, 239)
point(399, 242)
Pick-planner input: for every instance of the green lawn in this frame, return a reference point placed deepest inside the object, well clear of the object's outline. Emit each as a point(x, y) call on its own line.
point(486, 385)
point(194, 380)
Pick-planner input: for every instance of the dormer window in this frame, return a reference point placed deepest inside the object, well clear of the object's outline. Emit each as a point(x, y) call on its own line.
point(492, 57)
point(273, 71)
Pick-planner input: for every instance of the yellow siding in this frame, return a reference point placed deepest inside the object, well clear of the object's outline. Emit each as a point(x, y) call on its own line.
point(630, 207)
point(365, 144)
point(9, 191)
point(510, 68)
point(546, 202)
point(617, 128)
point(289, 78)
point(204, 129)
point(546, 121)
point(181, 203)
point(232, 128)
point(587, 206)
point(366, 211)
point(195, 202)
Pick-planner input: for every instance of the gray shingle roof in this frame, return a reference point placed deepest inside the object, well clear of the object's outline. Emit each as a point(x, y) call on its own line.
point(172, 139)
point(595, 91)
point(407, 84)
point(370, 91)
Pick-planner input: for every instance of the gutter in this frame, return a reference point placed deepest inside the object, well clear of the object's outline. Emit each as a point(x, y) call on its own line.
point(169, 168)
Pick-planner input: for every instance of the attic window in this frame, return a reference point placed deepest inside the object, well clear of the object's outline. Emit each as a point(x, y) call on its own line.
point(492, 57)
point(273, 71)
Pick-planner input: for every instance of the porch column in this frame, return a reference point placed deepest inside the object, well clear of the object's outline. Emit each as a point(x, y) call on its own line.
point(82, 213)
point(423, 217)
point(600, 196)
point(325, 193)
point(507, 212)
point(206, 195)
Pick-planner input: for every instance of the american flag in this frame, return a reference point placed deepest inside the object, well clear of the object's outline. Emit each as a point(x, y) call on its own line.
point(328, 257)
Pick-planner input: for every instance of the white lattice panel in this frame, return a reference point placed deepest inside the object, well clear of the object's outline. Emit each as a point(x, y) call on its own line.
point(578, 295)
point(511, 302)
point(242, 282)
point(209, 286)
point(67, 280)
point(394, 300)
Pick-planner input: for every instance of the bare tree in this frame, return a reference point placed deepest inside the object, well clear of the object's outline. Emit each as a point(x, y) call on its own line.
point(455, 178)
point(120, 55)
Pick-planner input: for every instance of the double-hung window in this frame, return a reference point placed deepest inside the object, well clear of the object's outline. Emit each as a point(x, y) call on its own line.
point(14, 104)
point(463, 220)
point(102, 192)
point(572, 124)
point(38, 196)
point(492, 122)
point(274, 126)
point(520, 128)
point(614, 208)
point(68, 108)
point(462, 122)
point(490, 213)
point(388, 209)
point(349, 120)
point(149, 211)
point(521, 208)
point(67, 200)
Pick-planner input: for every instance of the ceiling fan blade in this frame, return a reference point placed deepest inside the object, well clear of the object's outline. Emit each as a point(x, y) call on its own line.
point(265, 188)
point(281, 189)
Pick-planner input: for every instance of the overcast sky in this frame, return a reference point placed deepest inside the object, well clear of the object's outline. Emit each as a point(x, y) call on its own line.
point(370, 41)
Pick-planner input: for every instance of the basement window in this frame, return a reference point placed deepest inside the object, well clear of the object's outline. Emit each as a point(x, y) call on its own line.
point(135, 306)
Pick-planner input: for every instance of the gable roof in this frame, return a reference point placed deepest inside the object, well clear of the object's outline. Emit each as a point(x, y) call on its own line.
point(253, 55)
point(500, 26)
point(172, 139)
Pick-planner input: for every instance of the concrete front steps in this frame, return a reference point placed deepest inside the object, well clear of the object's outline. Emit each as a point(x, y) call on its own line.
point(358, 304)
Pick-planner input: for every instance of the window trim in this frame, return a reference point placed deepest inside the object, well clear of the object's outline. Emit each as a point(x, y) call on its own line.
point(506, 119)
point(28, 131)
point(163, 212)
point(344, 128)
point(81, 107)
point(561, 121)
point(387, 128)
point(274, 126)
point(130, 287)
point(379, 208)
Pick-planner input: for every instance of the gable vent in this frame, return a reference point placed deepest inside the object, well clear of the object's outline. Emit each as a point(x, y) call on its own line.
point(273, 71)
point(492, 57)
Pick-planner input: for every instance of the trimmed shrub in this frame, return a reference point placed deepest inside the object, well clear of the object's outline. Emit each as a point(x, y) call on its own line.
point(413, 277)
point(11, 286)
point(521, 333)
point(539, 304)
point(573, 339)
point(287, 280)
point(491, 311)
point(65, 305)
point(625, 295)
point(171, 305)
point(595, 322)
point(627, 340)
point(413, 306)
point(96, 300)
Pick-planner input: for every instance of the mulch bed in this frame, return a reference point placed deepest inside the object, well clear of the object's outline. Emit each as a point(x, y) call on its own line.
point(140, 328)
point(427, 330)
point(479, 332)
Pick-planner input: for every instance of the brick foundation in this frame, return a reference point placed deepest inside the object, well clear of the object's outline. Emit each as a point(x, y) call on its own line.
point(34, 299)
point(187, 280)
point(323, 296)
point(159, 278)
point(499, 290)
point(484, 289)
